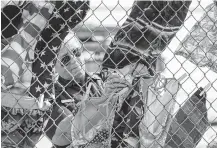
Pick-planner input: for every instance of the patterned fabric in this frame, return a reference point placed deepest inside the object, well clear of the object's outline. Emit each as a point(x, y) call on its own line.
point(127, 120)
point(95, 116)
point(189, 124)
point(99, 112)
point(144, 35)
point(158, 111)
point(102, 117)
point(73, 93)
point(148, 29)
point(18, 53)
point(18, 123)
point(54, 33)
point(10, 12)
point(27, 58)
point(98, 140)
point(200, 45)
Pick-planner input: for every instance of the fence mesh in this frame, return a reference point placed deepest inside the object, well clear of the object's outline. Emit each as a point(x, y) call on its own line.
point(85, 74)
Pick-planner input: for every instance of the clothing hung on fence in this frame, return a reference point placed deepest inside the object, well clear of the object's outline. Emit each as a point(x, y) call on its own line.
point(18, 54)
point(189, 124)
point(65, 17)
point(67, 106)
point(11, 17)
point(147, 30)
point(158, 110)
point(200, 45)
point(33, 58)
point(91, 126)
point(154, 94)
point(22, 117)
point(125, 131)
point(144, 35)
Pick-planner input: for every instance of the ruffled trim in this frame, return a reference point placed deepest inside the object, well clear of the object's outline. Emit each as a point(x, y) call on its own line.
point(10, 125)
point(21, 111)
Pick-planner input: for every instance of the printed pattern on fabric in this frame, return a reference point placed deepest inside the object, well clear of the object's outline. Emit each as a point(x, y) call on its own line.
point(54, 33)
point(127, 120)
point(92, 124)
point(200, 46)
point(73, 95)
point(18, 54)
point(190, 123)
point(27, 56)
point(159, 107)
point(147, 30)
point(118, 108)
point(11, 17)
point(21, 127)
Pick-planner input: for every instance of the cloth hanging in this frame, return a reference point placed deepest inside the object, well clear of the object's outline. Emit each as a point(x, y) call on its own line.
point(66, 16)
point(135, 125)
point(34, 61)
point(144, 35)
point(125, 131)
point(157, 113)
point(190, 123)
point(19, 52)
point(91, 126)
point(98, 111)
point(63, 113)
point(200, 45)
point(22, 118)
point(148, 29)
point(11, 17)
point(20, 127)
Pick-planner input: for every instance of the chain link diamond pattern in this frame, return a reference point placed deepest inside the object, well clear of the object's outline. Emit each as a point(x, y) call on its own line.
point(141, 83)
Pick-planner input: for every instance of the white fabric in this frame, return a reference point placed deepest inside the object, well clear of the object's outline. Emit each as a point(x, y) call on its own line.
point(158, 112)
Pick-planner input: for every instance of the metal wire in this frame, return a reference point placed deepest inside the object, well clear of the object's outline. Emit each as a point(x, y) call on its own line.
point(129, 102)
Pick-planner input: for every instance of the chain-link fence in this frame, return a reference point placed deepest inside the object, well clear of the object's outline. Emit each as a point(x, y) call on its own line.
point(116, 74)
